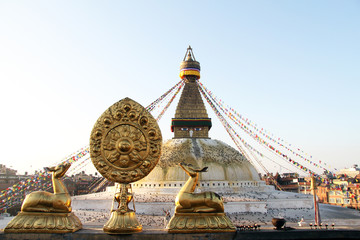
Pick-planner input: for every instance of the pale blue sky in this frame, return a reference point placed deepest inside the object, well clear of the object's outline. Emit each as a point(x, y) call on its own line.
point(290, 66)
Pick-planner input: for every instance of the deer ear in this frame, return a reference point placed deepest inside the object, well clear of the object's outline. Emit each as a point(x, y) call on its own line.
point(67, 164)
point(50, 169)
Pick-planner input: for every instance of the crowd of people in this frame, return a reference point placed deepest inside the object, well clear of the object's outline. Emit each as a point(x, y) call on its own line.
point(92, 217)
point(229, 197)
point(99, 218)
point(153, 197)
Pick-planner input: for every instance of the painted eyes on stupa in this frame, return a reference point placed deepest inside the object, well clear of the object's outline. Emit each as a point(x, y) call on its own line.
point(187, 129)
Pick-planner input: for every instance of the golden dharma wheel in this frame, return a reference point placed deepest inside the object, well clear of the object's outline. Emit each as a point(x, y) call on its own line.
point(125, 142)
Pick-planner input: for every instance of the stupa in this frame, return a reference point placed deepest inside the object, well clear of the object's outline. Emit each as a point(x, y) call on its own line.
point(228, 169)
point(229, 173)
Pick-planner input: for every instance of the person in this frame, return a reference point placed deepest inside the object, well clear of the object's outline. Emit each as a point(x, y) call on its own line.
point(301, 221)
point(167, 217)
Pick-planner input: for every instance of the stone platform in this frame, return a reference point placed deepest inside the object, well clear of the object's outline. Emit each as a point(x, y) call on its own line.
point(96, 233)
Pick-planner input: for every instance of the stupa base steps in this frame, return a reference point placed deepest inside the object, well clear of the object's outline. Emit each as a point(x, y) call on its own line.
point(39, 222)
point(200, 222)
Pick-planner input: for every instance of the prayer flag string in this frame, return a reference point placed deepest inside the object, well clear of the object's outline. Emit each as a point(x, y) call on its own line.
point(246, 123)
point(227, 126)
point(153, 105)
point(171, 100)
point(244, 126)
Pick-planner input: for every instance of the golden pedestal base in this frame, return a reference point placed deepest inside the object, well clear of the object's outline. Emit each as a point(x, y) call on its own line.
point(39, 222)
point(200, 222)
point(122, 223)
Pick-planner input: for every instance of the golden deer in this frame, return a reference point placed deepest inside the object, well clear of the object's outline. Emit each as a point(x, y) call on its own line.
point(189, 202)
point(58, 202)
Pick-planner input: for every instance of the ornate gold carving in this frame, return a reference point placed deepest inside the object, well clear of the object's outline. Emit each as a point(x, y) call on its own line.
point(200, 222)
point(122, 223)
point(59, 201)
point(47, 212)
point(125, 145)
point(198, 212)
point(125, 142)
point(34, 222)
point(122, 220)
point(189, 202)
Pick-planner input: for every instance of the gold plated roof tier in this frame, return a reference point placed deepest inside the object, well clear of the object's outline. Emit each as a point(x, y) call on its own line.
point(191, 118)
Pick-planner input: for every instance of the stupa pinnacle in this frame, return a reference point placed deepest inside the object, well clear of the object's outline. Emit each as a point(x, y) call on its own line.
point(189, 67)
point(191, 119)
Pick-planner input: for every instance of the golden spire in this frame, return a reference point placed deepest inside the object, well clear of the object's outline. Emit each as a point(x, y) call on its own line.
point(191, 118)
point(189, 67)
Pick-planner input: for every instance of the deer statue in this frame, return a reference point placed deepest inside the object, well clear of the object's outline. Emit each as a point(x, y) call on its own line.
point(189, 202)
point(57, 202)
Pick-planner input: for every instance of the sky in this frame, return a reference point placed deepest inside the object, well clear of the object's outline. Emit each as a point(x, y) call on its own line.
point(292, 67)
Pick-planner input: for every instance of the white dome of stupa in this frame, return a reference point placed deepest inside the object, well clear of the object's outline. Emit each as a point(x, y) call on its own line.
point(224, 162)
